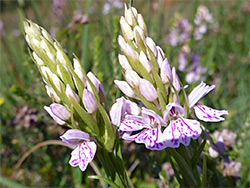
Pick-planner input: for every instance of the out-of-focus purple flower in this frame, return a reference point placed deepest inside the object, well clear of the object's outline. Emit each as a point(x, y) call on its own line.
point(204, 113)
point(85, 149)
point(180, 130)
point(58, 6)
point(115, 3)
point(231, 168)
point(173, 38)
point(181, 31)
point(227, 135)
point(182, 60)
point(195, 70)
point(202, 19)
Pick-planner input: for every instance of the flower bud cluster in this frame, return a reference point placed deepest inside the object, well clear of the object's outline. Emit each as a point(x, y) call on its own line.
point(149, 76)
point(76, 95)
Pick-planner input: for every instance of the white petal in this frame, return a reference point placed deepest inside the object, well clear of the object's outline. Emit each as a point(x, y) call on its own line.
point(131, 125)
point(208, 114)
point(82, 155)
point(181, 131)
point(198, 92)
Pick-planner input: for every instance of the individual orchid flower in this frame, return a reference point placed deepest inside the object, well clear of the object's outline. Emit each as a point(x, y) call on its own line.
point(204, 113)
point(149, 125)
point(85, 149)
point(121, 108)
point(179, 130)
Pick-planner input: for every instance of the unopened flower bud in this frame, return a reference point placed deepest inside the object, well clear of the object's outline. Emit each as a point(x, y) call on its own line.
point(38, 60)
point(145, 62)
point(151, 44)
point(140, 38)
point(160, 56)
point(46, 35)
point(148, 90)
point(131, 15)
point(125, 88)
point(166, 73)
point(127, 49)
point(94, 81)
point(71, 94)
point(132, 78)
point(126, 29)
point(124, 62)
point(52, 94)
point(142, 24)
point(176, 82)
point(89, 101)
point(58, 112)
point(132, 108)
point(32, 29)
point(46, 72)
point(57, 82)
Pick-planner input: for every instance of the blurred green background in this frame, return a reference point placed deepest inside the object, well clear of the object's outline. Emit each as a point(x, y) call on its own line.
point(90, 30)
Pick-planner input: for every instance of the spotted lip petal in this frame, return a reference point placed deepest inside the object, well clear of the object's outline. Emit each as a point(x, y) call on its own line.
point(181, 130)
point(198, 93)
point(82, 155)
point(150, 125)
point(208, 114)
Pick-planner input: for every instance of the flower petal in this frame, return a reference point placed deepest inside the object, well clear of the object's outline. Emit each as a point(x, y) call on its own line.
point(131, 125)
point(181, 131)
point(199, 92)
point(208, 114)
point(172, 110)
point(152, 118)
point(117, 111)
point(55, 118)
point(152, 138)
point(82, 155)
point(73, 136)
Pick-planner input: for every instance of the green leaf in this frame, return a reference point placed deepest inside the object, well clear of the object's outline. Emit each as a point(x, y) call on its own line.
point(197, 154)
point(110, 182)
point(204, 170)
point(184, 167)
point(10, 183)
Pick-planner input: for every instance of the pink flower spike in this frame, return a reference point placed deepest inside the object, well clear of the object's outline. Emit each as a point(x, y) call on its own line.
point(148, 90)
point(208, 114)
point(72, 137)
point(82, 155)
point(198, 93)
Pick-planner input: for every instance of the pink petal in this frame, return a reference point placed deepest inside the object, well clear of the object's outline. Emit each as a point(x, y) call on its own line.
point(152, 138)
point(131, 125)
point(208, 114)
point(73, 136)
point(181, 131)
point(199, 92)
point(82, 155)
